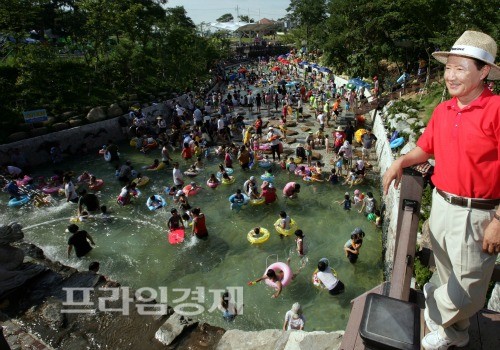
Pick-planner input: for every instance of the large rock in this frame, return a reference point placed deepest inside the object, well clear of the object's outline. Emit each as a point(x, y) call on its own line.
point(274, 339)
point(39, 131)
point(11, 233)
point(96, 114)
point(60, 126)
point(51, 313)
point(300, 340)
point(173, 327)
point(18, 136)
point(114, 110)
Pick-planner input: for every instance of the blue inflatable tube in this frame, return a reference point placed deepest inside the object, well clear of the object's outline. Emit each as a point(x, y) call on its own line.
point(229, 171)
point(237, 204)
point(268, 178)
point(154, 205)
point(397, 142)
point(18, 202)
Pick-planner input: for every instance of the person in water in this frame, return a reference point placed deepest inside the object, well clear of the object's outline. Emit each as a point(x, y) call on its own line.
point(228, 307)
point(175, 220)
point(79, 240)
point(199, 225)
point(274, 275)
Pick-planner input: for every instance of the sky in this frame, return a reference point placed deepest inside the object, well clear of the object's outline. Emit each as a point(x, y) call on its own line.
point(210, 10)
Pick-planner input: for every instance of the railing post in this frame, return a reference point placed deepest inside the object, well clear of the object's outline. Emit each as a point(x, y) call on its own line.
point(406, 233)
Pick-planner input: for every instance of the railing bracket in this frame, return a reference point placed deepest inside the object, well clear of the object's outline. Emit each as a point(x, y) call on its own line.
point(412, 204)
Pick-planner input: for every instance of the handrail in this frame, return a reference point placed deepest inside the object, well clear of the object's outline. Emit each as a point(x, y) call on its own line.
point(412, 185)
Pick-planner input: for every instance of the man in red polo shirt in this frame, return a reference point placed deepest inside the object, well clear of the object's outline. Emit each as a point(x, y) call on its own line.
point(464, 137)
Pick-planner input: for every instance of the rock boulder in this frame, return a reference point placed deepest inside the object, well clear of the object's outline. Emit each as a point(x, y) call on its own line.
point(173, 327)
point(96, 114)
point(114, 110)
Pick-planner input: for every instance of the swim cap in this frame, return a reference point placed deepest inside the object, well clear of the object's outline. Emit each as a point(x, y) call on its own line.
point(179, 193)
point(252, 178)
point(356, 231)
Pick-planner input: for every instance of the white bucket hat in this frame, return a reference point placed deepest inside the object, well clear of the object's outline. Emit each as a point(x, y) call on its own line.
point(474, 45)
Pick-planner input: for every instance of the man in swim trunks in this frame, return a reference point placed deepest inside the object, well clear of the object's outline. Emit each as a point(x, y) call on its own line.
point(175, 220)
point(89, 201)
point(79, 240)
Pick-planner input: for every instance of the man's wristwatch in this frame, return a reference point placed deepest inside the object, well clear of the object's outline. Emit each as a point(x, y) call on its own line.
point(496, 216)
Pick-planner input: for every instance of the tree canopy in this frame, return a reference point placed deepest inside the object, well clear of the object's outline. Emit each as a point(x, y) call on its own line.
point(355, 36)
point(66, 54)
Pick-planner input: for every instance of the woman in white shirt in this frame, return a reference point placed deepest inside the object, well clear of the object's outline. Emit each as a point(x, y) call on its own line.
point(329, 280)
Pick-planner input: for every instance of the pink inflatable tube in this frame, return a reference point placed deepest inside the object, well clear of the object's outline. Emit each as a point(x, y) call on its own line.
point(287, 274)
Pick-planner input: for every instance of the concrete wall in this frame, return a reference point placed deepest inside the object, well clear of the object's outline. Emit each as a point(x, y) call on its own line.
point(37, 149)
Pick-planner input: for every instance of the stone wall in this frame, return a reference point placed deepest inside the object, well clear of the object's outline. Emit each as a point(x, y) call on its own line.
point(37, 149)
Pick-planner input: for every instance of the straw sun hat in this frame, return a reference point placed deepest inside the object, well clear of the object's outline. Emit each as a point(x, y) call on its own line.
point(474, 45)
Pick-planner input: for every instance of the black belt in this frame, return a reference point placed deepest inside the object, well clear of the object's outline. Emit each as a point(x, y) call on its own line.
point(484, 204)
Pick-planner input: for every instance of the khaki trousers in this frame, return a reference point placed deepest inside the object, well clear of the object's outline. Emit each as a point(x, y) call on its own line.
point(463, 269)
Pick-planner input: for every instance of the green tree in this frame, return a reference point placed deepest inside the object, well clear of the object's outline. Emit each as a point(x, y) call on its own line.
point(227, 17)
point(309, 15)
point(245, 18)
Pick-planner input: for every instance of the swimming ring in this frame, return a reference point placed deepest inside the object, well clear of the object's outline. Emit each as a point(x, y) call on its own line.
point(52, 190)
point(238, 204)
point(97, 185)
point(397, 142)
point(264, 236)
point(287, 274)
point(212, 184)
point(18, 202)
point(268, 177)
point(266, 164)
point(315, 280)
point(231, 180)
point(282, 231)
point(151, 206)
point(189, 190)
point(160, 166)
point(191, 173)
point(257, 201)
point(141, 182)
point(229, 171)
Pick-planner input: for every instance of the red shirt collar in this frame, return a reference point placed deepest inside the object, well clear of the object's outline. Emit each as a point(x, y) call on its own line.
point(479, 102)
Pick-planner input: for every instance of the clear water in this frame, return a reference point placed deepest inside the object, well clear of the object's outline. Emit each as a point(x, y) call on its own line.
point(133, 248)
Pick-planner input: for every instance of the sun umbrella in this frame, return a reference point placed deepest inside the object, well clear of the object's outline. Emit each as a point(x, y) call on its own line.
point(242, 70)
point(285, 61)
point(275, 68)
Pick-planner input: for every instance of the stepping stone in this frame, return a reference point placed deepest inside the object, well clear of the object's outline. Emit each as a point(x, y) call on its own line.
point(316, 156)
point(291, 132)
point(291, 124)
point(290, 140)
point(305, 128)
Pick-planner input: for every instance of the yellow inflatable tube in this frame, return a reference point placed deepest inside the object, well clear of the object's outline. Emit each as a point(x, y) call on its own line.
point(282, 231)
point(264, 236)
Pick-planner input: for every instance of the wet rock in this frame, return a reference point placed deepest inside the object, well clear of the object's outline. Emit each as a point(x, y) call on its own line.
point(96, 114)
point(69, 114)
point(51, 313)
point(291, 132)
point(60, 126)
point(18, 136)
point(39, 131)
point(75, 122)
point(291, 124)
point(173, 327)
point(11, 233)
point(114, 110)
point(305, 128)
point(10, 258)
point(50, 120)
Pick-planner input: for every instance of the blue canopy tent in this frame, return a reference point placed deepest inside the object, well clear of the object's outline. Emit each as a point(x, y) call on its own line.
point(325, 70)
